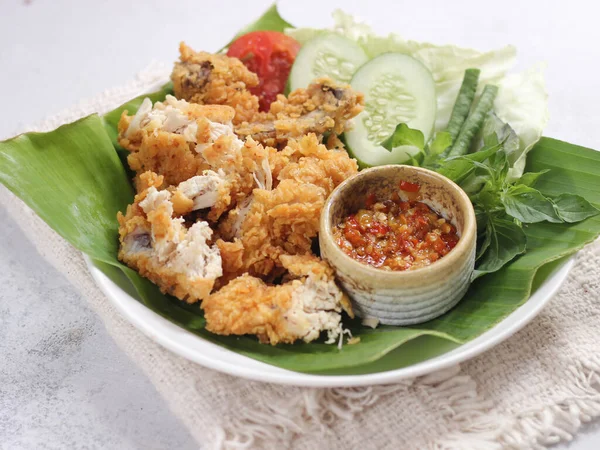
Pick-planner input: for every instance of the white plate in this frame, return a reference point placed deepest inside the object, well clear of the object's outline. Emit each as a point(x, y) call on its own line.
point(210, 355)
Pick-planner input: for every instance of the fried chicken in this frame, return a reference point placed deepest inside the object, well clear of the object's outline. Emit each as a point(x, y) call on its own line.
point(301, 308)
point(155, 242)
point(229, 198)
point(277, 222)
point(180, 140)
point(284, 220)
point(308, 161)
point(214, 79)
point(323, 107)
point(167, 138)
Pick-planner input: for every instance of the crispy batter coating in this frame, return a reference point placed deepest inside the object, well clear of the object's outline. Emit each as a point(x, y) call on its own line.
point(167, 138)
point(180, 140)
point(258, 180)
point(278, 222)
point(306, 160)
point(155, 242)
point(211, 79)
point(323, 107)
point(284, 220)
point(301, 308)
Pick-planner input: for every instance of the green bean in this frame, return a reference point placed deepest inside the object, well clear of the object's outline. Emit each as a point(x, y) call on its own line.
point(462, 106)
point(474, 121)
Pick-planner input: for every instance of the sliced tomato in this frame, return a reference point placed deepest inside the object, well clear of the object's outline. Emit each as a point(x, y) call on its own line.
point(371, 200)
point(270, 55)
point(409, 187)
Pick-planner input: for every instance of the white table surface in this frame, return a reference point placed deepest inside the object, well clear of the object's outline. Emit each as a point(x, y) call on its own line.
point(63, 381)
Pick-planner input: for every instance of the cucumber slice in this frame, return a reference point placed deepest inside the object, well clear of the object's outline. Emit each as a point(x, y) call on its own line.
point(397, 89)
point(328, 55)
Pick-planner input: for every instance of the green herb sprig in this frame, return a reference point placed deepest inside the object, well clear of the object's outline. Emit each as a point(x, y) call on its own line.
point(503, 207)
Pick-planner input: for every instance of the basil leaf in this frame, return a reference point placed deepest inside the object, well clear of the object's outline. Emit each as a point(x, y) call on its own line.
point(506, 241)
point(490, 126)
point(529, 205)
point(416, 159)
point(441, 142)
point(473, 183)
point(573, 208)
point(530, 178)
point(459, 168)
point(496, 131)
point(481, 217)
point(485, 243)
point(403, 135)
point(500, 166)
point(489, 197)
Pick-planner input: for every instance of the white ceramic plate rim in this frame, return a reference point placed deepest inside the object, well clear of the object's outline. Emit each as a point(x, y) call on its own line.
point(205, 353)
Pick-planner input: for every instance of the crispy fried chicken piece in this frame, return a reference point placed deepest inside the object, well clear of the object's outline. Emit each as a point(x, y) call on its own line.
point(245, 167)
point(284, 220)
point(321, 108)
point(168, 138)
point(278, 222)
point(155, 242)
point(306, 160)
point(181, 140)
point(212, 79)
point(302, 308)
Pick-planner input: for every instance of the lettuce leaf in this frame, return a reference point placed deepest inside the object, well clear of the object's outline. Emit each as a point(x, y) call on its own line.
point(522, 102)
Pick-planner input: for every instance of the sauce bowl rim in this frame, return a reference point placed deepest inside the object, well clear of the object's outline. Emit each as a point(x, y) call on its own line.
point(455, 256)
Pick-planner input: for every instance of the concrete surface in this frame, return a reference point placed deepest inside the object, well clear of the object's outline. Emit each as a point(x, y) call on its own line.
point(63, 382)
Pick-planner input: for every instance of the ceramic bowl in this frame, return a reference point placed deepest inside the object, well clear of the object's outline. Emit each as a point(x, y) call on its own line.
point(402, 297)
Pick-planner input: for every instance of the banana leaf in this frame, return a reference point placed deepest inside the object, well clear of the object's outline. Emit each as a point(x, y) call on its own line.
point(73, 178)
point(269, 21)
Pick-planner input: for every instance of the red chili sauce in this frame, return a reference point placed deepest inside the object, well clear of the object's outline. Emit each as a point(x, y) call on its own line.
point(396, 234)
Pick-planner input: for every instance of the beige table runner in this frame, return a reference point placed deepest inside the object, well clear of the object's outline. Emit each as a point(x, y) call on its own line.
point(531, 391)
